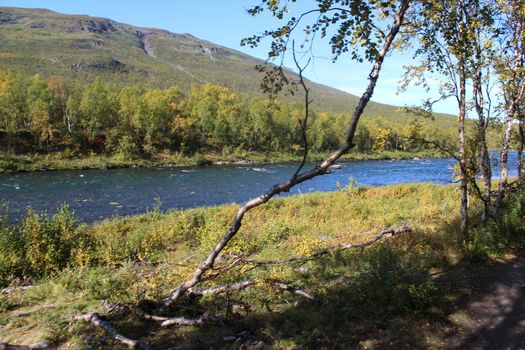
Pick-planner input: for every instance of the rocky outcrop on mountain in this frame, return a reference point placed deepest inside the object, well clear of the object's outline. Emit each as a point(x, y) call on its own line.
point(7, 18)
point(109, 65)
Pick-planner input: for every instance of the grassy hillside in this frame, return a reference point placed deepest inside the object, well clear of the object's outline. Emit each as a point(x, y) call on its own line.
point(83, 47)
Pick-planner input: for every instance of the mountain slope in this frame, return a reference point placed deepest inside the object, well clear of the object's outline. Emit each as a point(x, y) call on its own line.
point(83, 47)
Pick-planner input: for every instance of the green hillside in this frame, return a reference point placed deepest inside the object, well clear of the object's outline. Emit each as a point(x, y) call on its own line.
point(83, 47)
point(75, 86)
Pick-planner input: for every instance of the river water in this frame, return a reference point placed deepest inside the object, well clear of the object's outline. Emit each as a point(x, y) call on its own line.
point(99, 194)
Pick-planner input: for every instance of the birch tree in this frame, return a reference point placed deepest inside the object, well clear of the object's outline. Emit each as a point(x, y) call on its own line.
point(451, 37)
point(357, 31)
point(511, 72)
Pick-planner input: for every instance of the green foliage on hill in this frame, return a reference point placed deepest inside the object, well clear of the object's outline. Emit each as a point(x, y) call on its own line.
point(84, 48)
point(61, 116)
point(78, 85)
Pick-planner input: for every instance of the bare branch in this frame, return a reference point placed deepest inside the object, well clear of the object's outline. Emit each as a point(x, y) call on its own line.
point(304, 122)
point(387, 233)
point(222, 289)
point(234, 287)
point(40, 345)
point(10, 290)
point(95, 320)
point(321, 169)
point(182, 321)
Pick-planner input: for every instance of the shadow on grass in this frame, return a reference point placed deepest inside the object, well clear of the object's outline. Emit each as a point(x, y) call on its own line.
point(472, 306)
point(417, 291)
point(381, 297)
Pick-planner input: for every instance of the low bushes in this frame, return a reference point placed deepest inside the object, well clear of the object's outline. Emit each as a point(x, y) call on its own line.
point(42, 245)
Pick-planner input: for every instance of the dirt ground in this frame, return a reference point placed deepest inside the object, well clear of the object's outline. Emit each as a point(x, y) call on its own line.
point(492, 316)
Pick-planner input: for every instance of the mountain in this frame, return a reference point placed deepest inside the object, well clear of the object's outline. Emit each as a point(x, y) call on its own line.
point(82, 47)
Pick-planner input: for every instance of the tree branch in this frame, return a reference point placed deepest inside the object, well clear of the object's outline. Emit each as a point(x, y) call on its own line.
point(387, 233)
point(234, 287)
point(302, 124)
point(95, 320)
point(40, 345)
point(182, 321)
point(321, 169)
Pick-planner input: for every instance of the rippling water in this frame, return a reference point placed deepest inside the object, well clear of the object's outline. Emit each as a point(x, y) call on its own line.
point(99, 194)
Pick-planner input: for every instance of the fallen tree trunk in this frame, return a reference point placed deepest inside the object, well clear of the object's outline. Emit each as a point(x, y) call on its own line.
point(96, 321)
point(40, 345)
point(182, 321)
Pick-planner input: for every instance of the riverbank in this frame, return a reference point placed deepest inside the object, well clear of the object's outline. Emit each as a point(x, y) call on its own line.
point(395, 294)
point(99, 194)
point(58, 161)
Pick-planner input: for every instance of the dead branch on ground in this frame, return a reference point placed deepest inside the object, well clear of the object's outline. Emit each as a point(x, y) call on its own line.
point(10, 290)
point(40, 345)
point(96, 321)
point(182, 321)
point(386, 233)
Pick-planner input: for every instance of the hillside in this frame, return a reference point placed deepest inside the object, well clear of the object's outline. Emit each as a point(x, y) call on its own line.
point(83, 47)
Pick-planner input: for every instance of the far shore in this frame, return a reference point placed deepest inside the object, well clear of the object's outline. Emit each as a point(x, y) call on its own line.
point(57, 161)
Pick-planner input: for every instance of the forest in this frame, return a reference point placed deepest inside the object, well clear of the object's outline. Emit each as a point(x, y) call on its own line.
point(56, 115)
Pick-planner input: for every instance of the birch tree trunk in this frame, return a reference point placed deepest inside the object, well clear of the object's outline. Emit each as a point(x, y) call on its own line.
point(521, 141)
point(463, 226)
point(503, 158)
point(322, 169)
point(486, 170)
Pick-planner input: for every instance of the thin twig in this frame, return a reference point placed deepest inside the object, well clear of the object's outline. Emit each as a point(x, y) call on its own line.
point(304, 122)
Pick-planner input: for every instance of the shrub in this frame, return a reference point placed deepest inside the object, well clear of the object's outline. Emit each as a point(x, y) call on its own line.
point(6, 165)
point(513, 219)
point(391, 284)
point(497, 237)
point(43, 245)
point(51, 240)
point(12, 253)
point(202, 161)
point(127, 147)
point(69, 153)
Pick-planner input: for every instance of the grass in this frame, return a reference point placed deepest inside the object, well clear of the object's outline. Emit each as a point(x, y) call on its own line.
point(61, 161)
point(382, 297)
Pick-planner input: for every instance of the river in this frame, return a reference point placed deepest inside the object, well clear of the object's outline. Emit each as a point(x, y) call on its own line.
point(100, 194)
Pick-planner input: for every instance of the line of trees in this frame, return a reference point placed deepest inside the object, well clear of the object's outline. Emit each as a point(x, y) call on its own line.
point(477, 48)
point(53, 115)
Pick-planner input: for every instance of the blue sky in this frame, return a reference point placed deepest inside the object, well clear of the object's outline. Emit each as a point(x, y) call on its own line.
point(226, 23)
